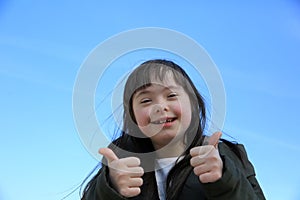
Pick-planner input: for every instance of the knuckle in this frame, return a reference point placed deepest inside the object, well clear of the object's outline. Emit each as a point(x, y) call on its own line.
point(196, 171)
point(195, 160)
point(122, 181)
point(119, 174)
point(192, 163)
point(137, 160)
point(203, 179)
point(124, 192)
point(216, 176)
point(213, 158)
point(140, 182)
point(138, 172)
point(141, 171)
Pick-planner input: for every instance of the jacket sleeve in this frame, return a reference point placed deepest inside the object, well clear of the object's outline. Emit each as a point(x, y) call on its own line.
point(100, 188)
point(238, 180)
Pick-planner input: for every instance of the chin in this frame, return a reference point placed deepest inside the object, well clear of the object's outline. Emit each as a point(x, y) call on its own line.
point(166, 138)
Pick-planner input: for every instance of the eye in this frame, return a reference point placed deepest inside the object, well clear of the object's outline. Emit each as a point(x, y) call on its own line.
point(172, 95)
point(145, 100)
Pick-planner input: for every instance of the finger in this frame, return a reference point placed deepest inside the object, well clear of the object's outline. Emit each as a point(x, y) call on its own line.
point(201, 151)
point(108, 154)
point(130, 192)
point(201, 169)
point(135, 182)
point(136, 171)
point(131, 161)
point(209, 177)
point(133, 171)
point(195, 151)
point(214, 139)
point(195, 161)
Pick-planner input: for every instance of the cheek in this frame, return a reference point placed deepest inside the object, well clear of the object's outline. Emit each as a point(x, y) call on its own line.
point(142, 117)
point(187, 118)
point(185, 112)
point(177, 109)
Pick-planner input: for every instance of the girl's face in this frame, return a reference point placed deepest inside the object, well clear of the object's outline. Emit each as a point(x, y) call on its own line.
point(162, 111)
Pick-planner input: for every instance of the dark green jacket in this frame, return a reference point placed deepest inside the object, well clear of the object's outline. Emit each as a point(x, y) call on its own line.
point(238, 182)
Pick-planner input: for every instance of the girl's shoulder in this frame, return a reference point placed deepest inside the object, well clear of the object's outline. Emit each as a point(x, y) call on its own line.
point(237, 153)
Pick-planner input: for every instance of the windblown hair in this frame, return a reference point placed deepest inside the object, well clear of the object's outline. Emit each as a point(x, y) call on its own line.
point(132, 139)
point(141, 78)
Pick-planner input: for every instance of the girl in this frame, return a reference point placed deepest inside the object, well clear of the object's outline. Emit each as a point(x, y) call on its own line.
point(162, 152)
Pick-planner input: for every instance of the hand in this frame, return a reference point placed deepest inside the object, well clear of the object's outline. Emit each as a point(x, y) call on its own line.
point(206, 160)
point(125, 173)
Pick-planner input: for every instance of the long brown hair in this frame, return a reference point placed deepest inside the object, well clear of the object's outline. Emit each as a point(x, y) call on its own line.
point(141, 77)
point(131, 137)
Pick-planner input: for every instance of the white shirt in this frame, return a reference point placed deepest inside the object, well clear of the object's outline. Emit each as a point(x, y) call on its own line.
point(162, 169)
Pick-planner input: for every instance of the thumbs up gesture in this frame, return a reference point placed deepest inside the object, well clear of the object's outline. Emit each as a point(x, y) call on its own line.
point(206, 160)
point(125, 173)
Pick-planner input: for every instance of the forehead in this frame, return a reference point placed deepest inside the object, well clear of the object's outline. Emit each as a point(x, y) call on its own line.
point(144, 77)
point(157, 87)
point(168, 81)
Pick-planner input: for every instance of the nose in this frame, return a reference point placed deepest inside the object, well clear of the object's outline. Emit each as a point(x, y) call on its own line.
point(160, 107)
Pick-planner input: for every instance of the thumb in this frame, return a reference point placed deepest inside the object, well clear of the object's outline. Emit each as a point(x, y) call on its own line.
point(108, 154)
point(214, 139)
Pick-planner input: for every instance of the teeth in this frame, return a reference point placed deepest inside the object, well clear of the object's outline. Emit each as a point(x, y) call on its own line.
point(163, 121)
point(160, 122)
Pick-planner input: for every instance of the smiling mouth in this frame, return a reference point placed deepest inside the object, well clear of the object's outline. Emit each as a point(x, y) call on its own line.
point(163, 121)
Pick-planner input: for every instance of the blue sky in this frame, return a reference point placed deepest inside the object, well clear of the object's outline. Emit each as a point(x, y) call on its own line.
point(255, 45)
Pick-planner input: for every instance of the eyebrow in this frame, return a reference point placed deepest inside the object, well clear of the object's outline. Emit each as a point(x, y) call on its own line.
point(172, 87)
point(145, 91)
point(141, 92)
